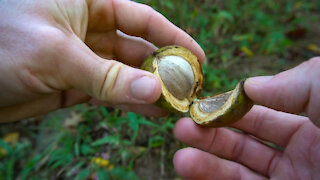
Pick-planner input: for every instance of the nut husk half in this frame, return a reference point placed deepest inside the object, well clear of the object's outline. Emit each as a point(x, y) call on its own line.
point(222, 109)
point(180, 75)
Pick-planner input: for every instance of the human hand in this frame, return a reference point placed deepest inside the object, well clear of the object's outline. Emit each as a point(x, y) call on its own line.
point(226, 154)
point(58, 53)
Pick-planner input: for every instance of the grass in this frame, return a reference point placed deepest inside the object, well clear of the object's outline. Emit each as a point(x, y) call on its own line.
point(96, 142)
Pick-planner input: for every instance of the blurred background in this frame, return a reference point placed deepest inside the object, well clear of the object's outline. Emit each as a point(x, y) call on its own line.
point(241, 38)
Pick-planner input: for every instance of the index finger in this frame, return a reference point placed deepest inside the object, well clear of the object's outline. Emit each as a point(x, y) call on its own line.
point(140, 20)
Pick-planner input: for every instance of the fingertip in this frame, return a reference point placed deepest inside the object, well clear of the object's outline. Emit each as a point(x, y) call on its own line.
point(179, 161)
point(192, 163)
point(146, 88)
point(192, 134)
point(157, 90)
point(186, 163)
point(197, 50)
point(254, 85)
point(181, 127)
point(194, 47)
point(202, 55)
point(258, 81)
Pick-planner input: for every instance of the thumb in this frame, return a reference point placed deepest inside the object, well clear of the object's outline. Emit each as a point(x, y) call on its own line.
point(294, 91)
point(106, 80)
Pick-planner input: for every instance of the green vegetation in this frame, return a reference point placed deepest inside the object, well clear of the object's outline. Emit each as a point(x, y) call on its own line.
point(241, 38)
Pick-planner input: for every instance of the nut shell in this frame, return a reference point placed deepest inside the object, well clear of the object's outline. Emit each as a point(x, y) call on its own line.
point(236, 105)
point(215, 111)
point(167, 100)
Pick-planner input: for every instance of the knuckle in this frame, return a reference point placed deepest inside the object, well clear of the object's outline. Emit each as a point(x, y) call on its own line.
point(33, 83)
point(43, 54)
point(237, 173)
point(50, 40)
point(312, 67)
point(108, 87)
point(237, 149)
point(313, 148)
point(313, 64)
point(147, 8)
point(150, 13)
point(315, 59)
point(213, 140)
point(258, 120)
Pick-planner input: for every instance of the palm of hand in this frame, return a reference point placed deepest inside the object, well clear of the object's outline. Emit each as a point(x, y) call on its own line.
point(301, 158)
point(243, 155)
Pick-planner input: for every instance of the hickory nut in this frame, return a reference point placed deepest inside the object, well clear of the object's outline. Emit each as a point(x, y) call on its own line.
point(181, 78)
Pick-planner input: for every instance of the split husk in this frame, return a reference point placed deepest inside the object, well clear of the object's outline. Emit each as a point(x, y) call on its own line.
point(180, 74)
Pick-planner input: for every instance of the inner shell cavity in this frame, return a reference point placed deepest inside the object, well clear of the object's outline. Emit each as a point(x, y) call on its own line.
point(213, 104)
point(177, 75)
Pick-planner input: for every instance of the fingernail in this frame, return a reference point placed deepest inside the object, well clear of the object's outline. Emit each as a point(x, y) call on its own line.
point(143, 88)
point(257, 81)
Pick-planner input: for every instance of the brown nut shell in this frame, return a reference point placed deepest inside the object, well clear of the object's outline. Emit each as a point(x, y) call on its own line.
point(222, 109)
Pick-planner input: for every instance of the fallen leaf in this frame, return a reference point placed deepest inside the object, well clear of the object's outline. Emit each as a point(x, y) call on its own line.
point(3, 152)
point(297, 33)
point(246, 50)
point(100, 161)
point(314, 48)
point(73, 121)
point(11, 138)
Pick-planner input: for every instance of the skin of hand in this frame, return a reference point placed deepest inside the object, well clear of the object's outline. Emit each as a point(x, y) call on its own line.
point(57, 53)
point(223, 153)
